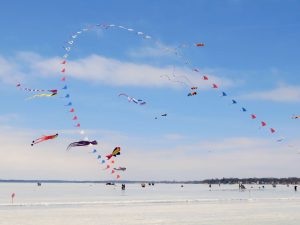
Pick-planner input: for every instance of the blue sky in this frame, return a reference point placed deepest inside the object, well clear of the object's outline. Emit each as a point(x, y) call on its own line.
point(251, 51)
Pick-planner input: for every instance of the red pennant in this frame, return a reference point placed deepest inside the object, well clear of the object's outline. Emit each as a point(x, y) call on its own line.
point(75, 118)
point(63, 70)
point(63, 79)
point(205, 77)
point(112, 171)
point(72, 110)
point(253, 116)
point(118, 176)
point(199, 44)
point(272, 130)
point(215, 86)
point(263, 123)
point(64, 62)
point(78, 125)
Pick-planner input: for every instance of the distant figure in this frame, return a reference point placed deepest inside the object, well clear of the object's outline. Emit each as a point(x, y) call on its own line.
point(274, 185)
point(295, 188)
point(242, 187)
point(110, 183)
point(13, 195)
point(152, 184)
point(123, 187)
point(209, 185)
point(39, 184)
point(181, 186)
point(143, 185)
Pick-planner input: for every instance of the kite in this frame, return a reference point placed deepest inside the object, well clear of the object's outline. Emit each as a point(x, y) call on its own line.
point(205, 77)
point(192, 93)
point(263, 124)
point(120, 168)
point(41, 95)
point(199, 44)
point(164, 115)
point(69, 104)
point(35, 90)
point(280, 139)
point(115, 152)
point(131, 99)
point(94, 151)
point(296, 117)
point(81, 143)
point(43, 138)
point(107, 167)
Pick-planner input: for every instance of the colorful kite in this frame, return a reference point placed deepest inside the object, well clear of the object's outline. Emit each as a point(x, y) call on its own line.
point(81, 143)
point(131, 99)
point(115, 152)
point(44, 138)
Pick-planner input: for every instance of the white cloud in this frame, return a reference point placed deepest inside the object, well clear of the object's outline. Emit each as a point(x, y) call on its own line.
point(283, 93)
point(99, 69)
point(7, 118)
point(9, 71)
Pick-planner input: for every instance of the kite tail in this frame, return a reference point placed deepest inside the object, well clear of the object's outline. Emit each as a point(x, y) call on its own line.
point(70, 146)
point(109, 156)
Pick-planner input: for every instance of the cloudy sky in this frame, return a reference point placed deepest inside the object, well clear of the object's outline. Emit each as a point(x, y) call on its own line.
point(251, 51)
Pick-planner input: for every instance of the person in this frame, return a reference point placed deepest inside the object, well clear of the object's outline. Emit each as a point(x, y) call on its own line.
point(123, 187)
point(295, 187)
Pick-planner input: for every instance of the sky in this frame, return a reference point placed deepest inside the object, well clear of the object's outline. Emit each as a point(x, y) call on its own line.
point(251, 51)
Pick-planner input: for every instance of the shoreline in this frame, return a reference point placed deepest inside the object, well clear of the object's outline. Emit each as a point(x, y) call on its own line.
point(270, 180)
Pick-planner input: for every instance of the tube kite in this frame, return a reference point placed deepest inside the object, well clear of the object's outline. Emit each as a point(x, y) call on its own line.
point(43, 138)
point(115, 152)
point(120, 168)
point(131, 99)
point(81, 143)
point(41, 95)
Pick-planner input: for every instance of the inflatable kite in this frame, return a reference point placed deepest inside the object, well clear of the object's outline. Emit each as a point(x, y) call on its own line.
point(115, 152)
point(44, 138)
point(82, 143)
